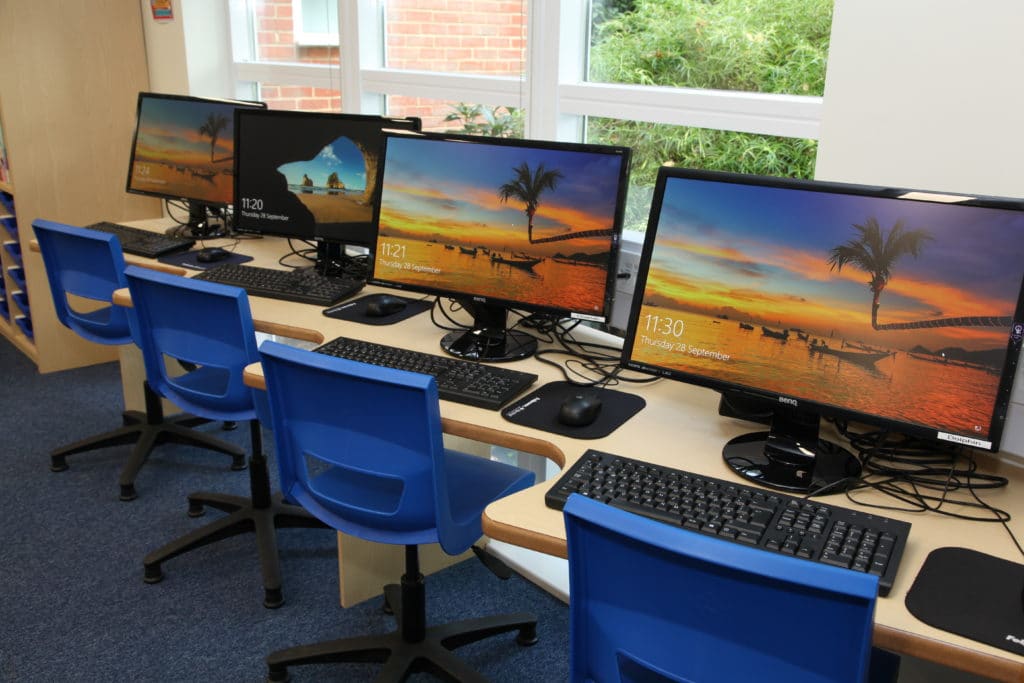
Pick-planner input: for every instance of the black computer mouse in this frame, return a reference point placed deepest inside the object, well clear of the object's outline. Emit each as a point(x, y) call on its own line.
point(579, 410)
point(379, 305)
point(211, 254)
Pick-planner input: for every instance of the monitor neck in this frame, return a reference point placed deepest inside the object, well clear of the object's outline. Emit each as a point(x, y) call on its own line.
point(489, 339)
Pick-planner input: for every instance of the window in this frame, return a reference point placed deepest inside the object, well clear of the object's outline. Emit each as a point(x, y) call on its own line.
point(729, 84)
point(315, 22)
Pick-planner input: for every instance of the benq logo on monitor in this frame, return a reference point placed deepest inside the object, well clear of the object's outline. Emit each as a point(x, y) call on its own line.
point(789, 401)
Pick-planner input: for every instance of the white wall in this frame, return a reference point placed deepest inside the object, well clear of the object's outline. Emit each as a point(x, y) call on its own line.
point(190, 54)
point(926, 94)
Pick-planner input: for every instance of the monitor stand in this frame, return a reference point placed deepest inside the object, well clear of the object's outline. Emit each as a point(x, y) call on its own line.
point(332, 259)
point(489, 339)
point(205, 221)
point(791, 456)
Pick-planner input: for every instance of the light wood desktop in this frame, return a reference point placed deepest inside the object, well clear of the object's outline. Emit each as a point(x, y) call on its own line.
point(679, 427)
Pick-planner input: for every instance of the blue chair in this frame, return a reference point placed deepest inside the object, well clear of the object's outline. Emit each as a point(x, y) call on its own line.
point(209, 327)
point(360, 447)
point(88, 264)
point(657, 603)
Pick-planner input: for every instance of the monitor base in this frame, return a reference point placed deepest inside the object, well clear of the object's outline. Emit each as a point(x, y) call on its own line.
point(495, 346)
point(760, 457)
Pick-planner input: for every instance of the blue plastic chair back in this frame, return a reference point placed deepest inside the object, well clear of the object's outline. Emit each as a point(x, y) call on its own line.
point(204, 324)
point(361, 448)
point(655, 603)
point(88, 264)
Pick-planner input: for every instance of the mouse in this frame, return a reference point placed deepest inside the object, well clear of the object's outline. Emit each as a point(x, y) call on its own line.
point(211, 254)
point(379, 305)
point(579, 410)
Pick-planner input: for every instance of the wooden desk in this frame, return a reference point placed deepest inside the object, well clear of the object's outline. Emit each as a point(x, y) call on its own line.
point(679, 427)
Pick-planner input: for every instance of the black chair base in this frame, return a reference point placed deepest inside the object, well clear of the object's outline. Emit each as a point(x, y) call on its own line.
point(147, 431)
point(261, 513)
point(412, 647)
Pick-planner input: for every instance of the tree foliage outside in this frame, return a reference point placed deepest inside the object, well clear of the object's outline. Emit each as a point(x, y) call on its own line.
point(499, 122)
point(768, 46)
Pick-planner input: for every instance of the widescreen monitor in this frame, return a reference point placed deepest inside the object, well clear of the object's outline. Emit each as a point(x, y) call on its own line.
point(183, 148)
point(309, 175)
point(880, 306)
point(501, 224)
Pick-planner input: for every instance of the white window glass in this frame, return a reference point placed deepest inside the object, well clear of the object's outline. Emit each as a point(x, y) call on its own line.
point(481, 37)
point(459, 117)
point(656, 145)
point(769, 46)
point(315, 22)
point(281, 30)
point(299, 97)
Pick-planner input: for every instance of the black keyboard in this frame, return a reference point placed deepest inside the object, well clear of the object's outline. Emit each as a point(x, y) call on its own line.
point(144, 242)
point(744, 514)
point(302, 286)
point(462, 381)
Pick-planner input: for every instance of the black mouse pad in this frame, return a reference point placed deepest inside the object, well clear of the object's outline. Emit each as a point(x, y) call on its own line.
point(355, 311)
point(972, 594)
point(187, 259)
point(539, 410)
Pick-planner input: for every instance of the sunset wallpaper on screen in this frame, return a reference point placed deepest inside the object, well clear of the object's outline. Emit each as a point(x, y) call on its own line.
point(520, 223)
point(872, 303)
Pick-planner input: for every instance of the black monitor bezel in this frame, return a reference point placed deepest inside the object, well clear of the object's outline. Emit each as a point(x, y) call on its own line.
point(143, 96)
point(512, 304)
point(1001, 399)
point(347, 232)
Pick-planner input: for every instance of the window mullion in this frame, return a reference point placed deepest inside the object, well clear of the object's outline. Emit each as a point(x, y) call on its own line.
point(784, 115)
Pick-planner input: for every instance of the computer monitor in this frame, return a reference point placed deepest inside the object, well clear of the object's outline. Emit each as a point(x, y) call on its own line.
point(879, 306)
point(310, 175)
point(183, 148)
point(499, 224)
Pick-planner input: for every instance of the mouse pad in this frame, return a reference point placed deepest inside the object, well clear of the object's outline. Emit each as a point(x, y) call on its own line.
point(972, 594)
point(187, 259)
point(540, 410)
point(355, 311)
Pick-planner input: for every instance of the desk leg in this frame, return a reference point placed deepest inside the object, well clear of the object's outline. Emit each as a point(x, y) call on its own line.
point(365, 567)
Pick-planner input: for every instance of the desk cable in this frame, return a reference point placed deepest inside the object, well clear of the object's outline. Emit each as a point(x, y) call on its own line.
point(922, 475)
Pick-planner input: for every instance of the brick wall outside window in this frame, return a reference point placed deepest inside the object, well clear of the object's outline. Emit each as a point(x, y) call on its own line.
point(480, 37)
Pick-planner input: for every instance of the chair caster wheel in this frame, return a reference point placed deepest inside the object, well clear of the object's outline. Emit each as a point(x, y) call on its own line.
point(196, 509)
point(272, 599)
point(128, 492)
point(153, 574)
point(229, 426)
point(527, 636)
point(238, 464)
point(58, 463)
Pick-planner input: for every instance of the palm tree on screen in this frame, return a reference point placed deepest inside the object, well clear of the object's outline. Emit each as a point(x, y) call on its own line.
point(527, 186)
point(876, 253)
point(215, 123)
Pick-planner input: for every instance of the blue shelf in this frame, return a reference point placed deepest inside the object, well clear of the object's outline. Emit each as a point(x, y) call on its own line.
point(25, 323)
point(14, 249)
point(10, 224)
point(17, 274)
point(21, 299)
